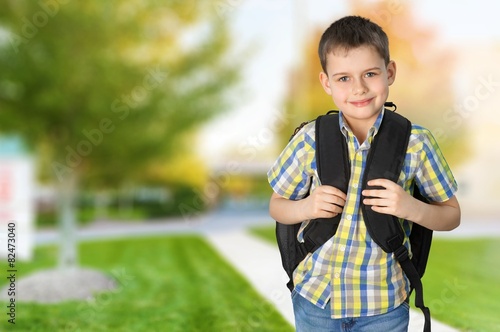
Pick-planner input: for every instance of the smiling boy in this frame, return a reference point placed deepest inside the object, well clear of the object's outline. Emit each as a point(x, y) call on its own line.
point(350, 283)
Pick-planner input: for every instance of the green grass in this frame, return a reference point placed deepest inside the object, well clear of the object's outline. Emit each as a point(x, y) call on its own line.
point(461, 283)
point(267, 233)
point(165, 284)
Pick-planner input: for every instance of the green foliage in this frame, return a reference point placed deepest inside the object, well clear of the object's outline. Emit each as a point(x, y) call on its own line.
point(260, 188)
point(164, 284)
point(106, 88)
point(158, 209)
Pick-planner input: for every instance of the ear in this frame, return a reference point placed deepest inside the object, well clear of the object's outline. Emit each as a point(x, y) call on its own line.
point(325, 83)
point(391, 72)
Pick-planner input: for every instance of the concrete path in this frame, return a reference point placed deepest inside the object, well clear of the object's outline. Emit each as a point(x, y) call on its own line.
point(209, 222)
point(260, 262)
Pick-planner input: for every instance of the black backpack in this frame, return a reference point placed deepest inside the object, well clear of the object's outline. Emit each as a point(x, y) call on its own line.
point(385, 160)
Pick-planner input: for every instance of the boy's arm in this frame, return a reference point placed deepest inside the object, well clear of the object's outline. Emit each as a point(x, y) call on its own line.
point(438, 216)
point(323, 202)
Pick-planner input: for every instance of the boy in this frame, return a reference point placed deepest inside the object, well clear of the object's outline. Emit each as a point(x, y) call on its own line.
point(350, 283)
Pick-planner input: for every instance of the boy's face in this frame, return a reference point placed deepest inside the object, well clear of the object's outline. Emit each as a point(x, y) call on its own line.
point(358, 81)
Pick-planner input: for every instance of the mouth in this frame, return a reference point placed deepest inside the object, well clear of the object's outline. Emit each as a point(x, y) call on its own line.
point(361, 103)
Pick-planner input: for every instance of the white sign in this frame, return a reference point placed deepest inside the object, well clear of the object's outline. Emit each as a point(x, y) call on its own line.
point(17, 186)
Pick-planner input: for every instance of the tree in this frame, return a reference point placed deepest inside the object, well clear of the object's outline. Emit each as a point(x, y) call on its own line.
point(103, 90)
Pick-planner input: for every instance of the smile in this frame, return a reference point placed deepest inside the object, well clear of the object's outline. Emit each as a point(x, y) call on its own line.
point(361, 103)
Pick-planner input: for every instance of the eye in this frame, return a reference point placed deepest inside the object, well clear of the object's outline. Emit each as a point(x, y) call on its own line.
point(370, 74)
point(343, 79)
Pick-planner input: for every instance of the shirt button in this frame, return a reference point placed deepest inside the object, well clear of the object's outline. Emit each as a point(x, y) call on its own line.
point(348, 217)
point(342, 248)
point(355, 185)
point(337, 275)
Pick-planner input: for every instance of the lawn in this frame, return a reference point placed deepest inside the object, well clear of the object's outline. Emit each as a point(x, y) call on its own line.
point(461, 283)
point(173, 283)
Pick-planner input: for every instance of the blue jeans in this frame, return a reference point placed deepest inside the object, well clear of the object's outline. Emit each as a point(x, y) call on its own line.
point(310, 318)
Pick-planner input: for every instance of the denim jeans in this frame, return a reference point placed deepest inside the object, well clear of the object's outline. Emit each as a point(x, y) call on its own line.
point(310, 318)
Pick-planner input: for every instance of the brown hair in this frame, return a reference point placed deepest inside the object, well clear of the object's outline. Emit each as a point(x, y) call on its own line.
point(351, 32)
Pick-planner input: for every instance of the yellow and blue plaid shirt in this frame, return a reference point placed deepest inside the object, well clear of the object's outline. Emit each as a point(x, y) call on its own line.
point(350, 270)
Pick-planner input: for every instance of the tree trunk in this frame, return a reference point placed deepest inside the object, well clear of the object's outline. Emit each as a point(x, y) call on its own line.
point(101, 204)
point(68, 254)
point(125, 200)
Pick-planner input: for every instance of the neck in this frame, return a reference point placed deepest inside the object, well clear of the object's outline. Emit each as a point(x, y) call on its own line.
point(359, 129)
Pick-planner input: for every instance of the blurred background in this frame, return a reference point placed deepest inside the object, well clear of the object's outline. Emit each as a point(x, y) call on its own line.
point(148, 111)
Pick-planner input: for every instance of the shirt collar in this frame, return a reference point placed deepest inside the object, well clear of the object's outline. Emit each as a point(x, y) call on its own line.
point(346, 131)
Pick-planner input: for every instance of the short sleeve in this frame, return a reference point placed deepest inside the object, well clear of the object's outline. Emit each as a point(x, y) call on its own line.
point(433, 177)
point(290, 175)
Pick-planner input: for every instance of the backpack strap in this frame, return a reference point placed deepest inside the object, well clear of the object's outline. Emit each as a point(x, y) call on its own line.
point(386, 162)
point(412, 274)
point(385, 230)
point(331, 162)
point(333, 170)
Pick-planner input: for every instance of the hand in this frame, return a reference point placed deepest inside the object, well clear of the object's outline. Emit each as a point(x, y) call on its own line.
point(393, 200)
point(324, 202)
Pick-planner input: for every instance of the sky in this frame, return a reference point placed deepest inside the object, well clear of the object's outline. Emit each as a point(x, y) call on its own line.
point(274, 29)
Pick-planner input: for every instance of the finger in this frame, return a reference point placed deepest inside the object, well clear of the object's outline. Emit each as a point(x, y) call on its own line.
point(383, 209)
point(332, 208)
point(375, 193)
point(375, 202)
point(385, 183)
point(334, 191)
point(327, 208)
point(326, 214)
point(333, 199)
point(380, 209)
point(330, 195)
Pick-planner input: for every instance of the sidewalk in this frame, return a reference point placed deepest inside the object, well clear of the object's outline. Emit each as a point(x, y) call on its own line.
point(260, 262)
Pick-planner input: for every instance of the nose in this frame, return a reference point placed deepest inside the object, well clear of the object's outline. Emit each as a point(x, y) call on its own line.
point(359, 87)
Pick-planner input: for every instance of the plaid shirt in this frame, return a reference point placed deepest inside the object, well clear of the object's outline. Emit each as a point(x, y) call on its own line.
point(350, 270)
